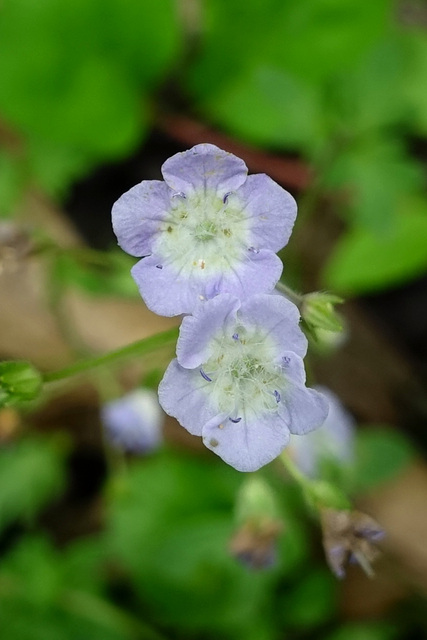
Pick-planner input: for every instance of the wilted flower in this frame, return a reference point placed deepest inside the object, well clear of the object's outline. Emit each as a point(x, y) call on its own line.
point(133, 422)
point(332, 442)
point(350, 536)
point(207, 229)
point(239, 380)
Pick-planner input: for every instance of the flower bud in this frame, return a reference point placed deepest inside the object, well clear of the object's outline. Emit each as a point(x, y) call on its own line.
point(318, 311)
point(19, 382)
point(254, 542)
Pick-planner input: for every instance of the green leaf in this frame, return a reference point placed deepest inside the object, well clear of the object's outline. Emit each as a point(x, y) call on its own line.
point(311, 601)
point(31, 474)
point(97, 273)
point(268, 106)
point(377, 174)
point(381, 454)
point(364, 262)
point(364, 631)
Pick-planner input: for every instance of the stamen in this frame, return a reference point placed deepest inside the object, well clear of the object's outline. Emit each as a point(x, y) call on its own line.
point(179, 194)
point(205, 376)
point(286, 360)
point(235, 420)
point(277, 395)
point(159, 266)
point(225, 198)
point(253, 250)
point(235, 336)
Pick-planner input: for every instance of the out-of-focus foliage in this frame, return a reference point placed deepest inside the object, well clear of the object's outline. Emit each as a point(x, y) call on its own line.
point(163, 561)
point(31, 474)
point(76, 78)
point(339, 81)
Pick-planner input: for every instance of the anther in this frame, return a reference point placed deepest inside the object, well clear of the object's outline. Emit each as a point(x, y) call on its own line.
point(225, 198)
point(159, 266)
point(253, 250)
point(235, 336)
point(205, 376)
point(179, 194)
point(235, 420)
point(286, 360)
point(277, 395)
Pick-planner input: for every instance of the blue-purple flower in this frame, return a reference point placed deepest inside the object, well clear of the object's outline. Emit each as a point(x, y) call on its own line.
point(209, 228)
point(134, 421)
point(239, 380)
point(332, 442)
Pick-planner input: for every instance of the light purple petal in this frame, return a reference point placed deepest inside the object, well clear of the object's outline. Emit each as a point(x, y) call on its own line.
point(203, 167)
point(259, 273)
point(279, 318)
point(303, 409)
point(164, 291)
point(272, 211)
point(248, 444)
point(137, 215)
point(168, 292)
point(293, 367)
point(196, 332)
point(182, 396)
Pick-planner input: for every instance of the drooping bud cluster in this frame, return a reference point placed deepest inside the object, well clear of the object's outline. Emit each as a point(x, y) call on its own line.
point(208, 237)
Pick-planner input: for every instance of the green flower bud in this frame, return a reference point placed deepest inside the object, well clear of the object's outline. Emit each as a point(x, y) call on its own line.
point(318, 311)
point(19, 382)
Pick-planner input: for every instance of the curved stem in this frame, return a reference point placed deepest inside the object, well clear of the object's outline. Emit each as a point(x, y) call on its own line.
point(139, 348)
point(289, 293)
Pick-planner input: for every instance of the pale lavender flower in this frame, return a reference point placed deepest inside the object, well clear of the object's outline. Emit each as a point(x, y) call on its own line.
point(333, 441)
point(209, 228)
point(239, 380)
point(134, 421)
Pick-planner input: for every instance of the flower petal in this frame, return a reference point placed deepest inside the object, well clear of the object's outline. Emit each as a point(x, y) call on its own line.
point(169, 292)
point(279, 318)
point(248, 444)
point(303, 409)
point(271, 209)
point(137, 215)
point(181, 394)
point(197, 331)
point(204, 167)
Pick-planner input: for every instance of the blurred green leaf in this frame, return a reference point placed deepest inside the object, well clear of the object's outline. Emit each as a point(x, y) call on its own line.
point(363, 261)
point(31, 474)
point(75, 76)
point(364, 631)
point(381, 454)
point(97, 273)
point(13, 179)
point(311, 601)
point(378, 176)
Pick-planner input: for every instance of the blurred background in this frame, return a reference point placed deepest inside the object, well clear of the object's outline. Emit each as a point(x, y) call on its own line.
point(106, 537)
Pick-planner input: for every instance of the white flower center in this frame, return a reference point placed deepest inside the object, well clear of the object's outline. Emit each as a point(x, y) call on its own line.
point(203, 233)
point(242, 375)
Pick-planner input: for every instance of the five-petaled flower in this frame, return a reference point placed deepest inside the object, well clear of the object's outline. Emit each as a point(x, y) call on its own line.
point(239, 380)
point(209, 228)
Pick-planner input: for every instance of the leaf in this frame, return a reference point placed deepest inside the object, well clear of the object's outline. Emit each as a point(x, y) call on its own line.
point(381, 454)
point(31, 474)
point(363, 262)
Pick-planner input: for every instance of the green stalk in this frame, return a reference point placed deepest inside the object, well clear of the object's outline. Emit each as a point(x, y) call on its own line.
point(139, 348)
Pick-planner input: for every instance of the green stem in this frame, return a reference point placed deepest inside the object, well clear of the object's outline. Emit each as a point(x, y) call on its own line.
point(289, 293)
point(139, 348)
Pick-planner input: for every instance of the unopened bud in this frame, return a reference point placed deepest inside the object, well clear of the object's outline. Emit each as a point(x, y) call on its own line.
point(259, 525)
point(19, 382)
point(318, 311)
